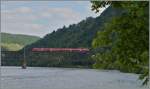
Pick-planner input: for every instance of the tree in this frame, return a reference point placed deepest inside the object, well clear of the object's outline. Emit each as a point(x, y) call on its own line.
point(128, 37)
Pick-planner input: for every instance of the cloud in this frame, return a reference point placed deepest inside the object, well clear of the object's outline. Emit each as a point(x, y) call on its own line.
point(63, 14)
point(21, 20)
point(24, 10)
point(40, 18)
point(26, 20)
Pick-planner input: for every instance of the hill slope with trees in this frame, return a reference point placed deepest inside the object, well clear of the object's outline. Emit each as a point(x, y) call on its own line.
point(78, 35)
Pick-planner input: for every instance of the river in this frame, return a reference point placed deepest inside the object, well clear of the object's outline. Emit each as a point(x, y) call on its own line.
point(66, 78)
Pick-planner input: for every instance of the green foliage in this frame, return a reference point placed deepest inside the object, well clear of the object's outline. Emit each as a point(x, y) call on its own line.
point(96, 5)
point(128, 37)
point(145, 77)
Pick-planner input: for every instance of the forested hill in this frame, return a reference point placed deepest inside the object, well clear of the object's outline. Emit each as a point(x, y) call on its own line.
point(76, 35)
point(13, 42)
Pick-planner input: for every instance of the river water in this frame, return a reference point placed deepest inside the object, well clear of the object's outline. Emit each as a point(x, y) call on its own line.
point(66, 78)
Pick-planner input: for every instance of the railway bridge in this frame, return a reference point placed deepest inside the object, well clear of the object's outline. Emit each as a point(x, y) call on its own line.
point(79, 50)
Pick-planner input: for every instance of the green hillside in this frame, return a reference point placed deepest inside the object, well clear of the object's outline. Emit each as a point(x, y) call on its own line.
point(74, 36)
point(78, 35)
point(13, 42)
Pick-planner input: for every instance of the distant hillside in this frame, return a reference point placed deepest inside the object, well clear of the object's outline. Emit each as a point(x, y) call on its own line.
point(77, 35)
point(15, 42)
point(74, 36)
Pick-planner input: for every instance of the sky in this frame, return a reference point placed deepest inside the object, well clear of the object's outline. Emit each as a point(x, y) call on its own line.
point(39, 18)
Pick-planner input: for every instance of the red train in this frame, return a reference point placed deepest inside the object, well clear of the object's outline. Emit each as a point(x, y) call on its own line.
point(60, 50)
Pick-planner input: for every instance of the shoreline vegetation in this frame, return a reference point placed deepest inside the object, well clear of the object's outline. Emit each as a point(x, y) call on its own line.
point(127, 36)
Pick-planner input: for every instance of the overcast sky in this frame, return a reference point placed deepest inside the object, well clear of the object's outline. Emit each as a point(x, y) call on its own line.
point(42, 17)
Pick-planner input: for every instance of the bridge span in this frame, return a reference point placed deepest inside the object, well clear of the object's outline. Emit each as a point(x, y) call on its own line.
point(60, 50)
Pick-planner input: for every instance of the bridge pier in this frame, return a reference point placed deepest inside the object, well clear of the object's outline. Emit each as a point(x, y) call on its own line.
point(24, 64)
